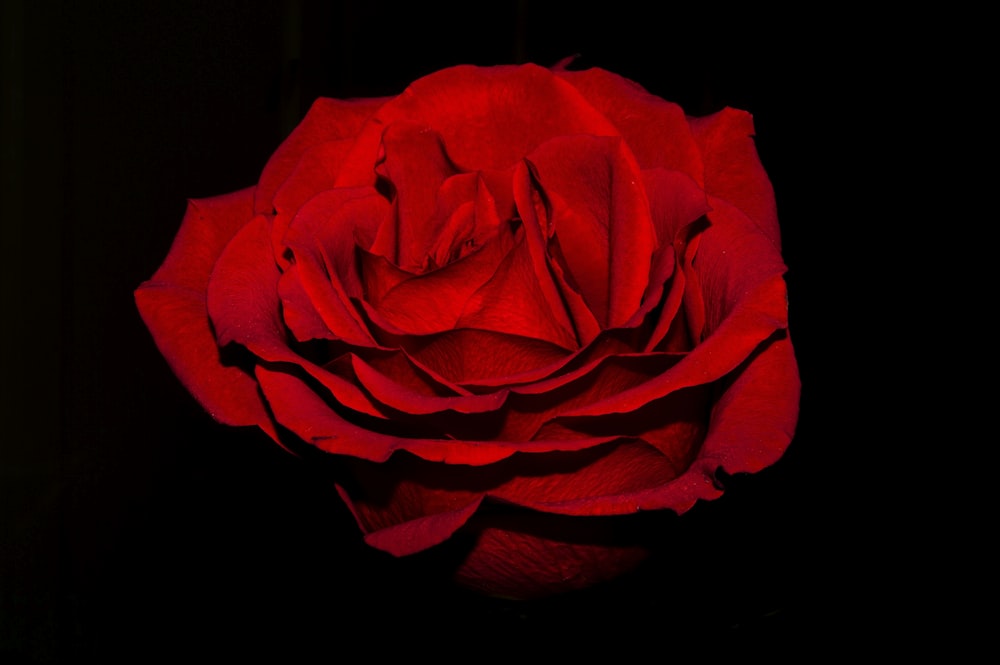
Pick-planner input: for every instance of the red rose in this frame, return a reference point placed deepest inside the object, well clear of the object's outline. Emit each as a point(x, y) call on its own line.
point(516, 301)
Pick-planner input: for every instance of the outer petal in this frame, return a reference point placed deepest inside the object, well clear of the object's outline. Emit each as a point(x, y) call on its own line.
point(410, 536)
point(327, 120)
point(523, 554)
point(244, 307)
point(733, 171)
point(754, 419)
point(741, 286)
point(173, 306)
point(751, 426)
point(315, 172)
point(298, 406)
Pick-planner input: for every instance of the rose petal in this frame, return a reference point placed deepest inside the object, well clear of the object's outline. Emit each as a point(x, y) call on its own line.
point(600, 219)
point(488, 118)
point(740, 277)
point(407, 400)
point(178, 321)
point(733, 171)
point(592, 482)
point(751, 426)
point(436, 301)
point(675, 203)
point(533, 405)
point(173, 306)
point(754, 419)
point(596, 481)
point(458, 356)
point(564, 303)
point(677, 206)
point(315, 172)
point(416, 165)
point(298, 310)
point(244, 308)
point(471, 215)
point(404, 537)
point(208, 226)
point(298, 407)
point(656, 131)
point(511, 302)
point(525, 554)
point(327, 120)
point(321, 240)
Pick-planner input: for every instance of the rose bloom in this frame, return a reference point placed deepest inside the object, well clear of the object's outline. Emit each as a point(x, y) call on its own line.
point(516, 304)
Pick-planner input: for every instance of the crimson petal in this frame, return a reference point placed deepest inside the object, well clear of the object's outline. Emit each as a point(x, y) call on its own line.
point(244, 308)
point(733, 171)
point(297, 406)
point(657, 131)
point(600, 220)
point(173, 306)
point(327, 120)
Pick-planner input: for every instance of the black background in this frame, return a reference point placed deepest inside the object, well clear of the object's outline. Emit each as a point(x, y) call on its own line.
point(134, 526)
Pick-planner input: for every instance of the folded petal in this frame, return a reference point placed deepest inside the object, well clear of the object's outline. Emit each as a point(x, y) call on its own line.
point(600, 219)
point(513, 303)
point(244, 307)
point(297, 406)
point(561, 299)
point(534, 405)
point(416, 165)
point(738, 275)
point(750, 428)
point(419, 401)
point(436, 301)
point(321, 241)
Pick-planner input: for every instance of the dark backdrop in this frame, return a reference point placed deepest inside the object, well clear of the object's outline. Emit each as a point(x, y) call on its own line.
point(133, 525)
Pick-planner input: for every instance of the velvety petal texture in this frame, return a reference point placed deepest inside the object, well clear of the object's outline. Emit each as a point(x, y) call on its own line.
point(518, 304)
